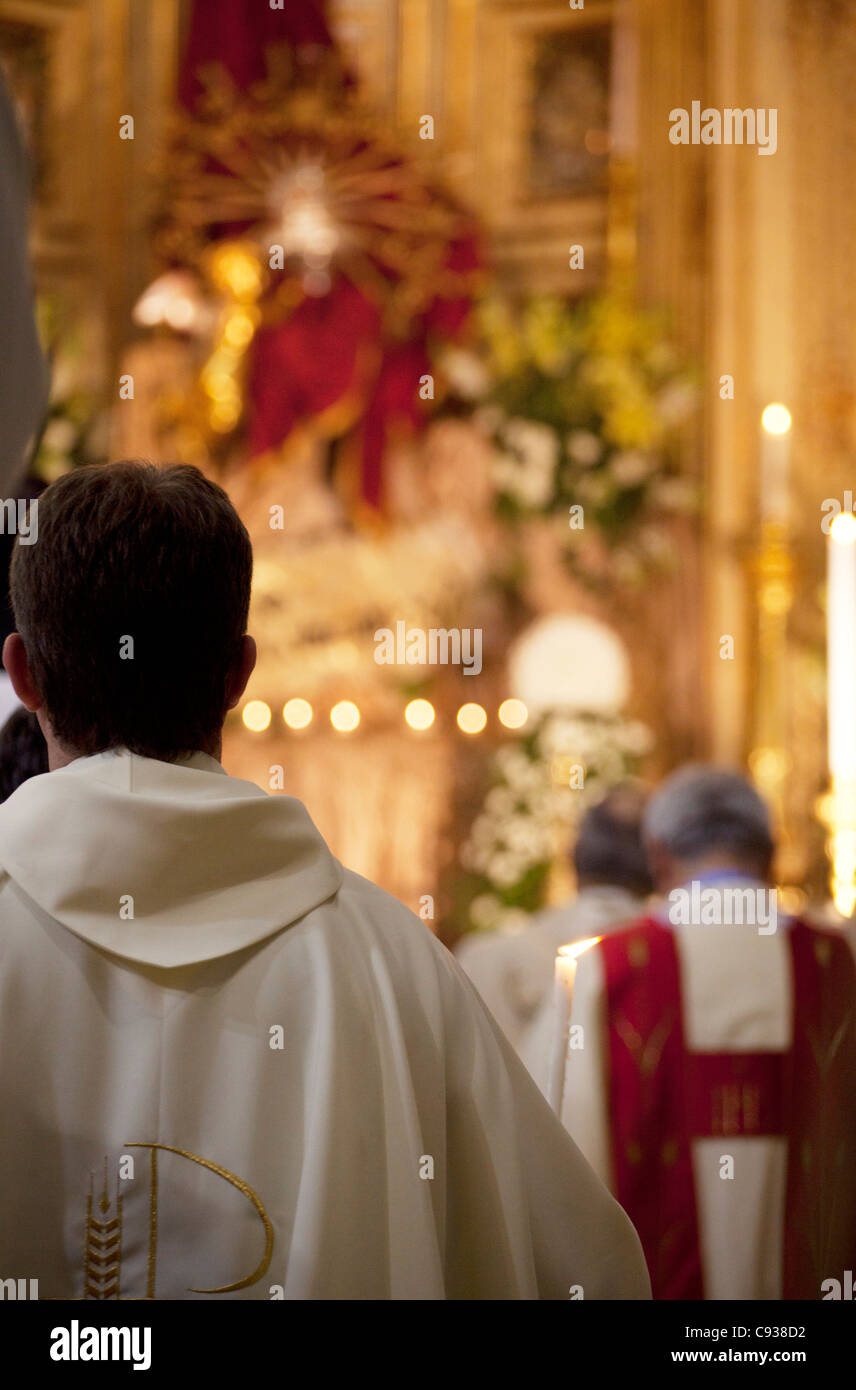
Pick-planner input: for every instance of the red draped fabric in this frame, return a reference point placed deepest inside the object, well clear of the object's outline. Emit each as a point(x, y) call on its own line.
point(328, 363)
point(648, 1085)
point(309, 363)
point(236, 34)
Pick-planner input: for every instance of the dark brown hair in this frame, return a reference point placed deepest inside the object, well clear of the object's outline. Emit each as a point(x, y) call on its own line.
point(609, 847)
point(131, 551)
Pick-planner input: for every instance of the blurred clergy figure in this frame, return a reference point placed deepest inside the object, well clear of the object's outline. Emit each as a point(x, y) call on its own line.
point(229, 1067)
point(513, 972)
point(713, 1085)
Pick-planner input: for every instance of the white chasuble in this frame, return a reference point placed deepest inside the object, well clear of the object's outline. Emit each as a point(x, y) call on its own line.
point(230, 1068)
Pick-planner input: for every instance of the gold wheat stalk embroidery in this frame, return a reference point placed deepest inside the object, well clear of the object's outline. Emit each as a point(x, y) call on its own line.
point(102, 1247)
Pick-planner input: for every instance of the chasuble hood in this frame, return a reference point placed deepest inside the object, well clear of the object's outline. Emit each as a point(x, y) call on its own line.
point(163, 863)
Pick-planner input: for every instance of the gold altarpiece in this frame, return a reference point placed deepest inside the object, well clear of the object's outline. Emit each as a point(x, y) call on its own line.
point(753, 255)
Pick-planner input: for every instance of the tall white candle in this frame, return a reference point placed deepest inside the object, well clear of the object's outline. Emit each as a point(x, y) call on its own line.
point(563, 998)
point(841, 649)
point(775, 462)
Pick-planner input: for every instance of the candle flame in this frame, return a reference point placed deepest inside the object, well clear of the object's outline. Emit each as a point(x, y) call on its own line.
point(776, 418)
point(843, 528)
point(576, 948)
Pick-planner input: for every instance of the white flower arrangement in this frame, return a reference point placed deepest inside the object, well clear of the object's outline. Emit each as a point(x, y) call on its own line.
point(584, 404)
point(466, 373)
point(525, 461)
point(584, 448)
point(512, 840)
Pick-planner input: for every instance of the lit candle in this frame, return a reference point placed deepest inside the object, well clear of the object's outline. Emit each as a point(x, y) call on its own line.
point(841, 703)
point(775, 462)
point(563, 998)
point(841, 646)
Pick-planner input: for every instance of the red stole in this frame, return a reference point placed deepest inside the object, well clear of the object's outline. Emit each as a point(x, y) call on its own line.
point(661, 1097)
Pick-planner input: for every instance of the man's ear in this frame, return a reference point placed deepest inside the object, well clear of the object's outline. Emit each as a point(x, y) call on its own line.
point(18, 670)
point(241, 672)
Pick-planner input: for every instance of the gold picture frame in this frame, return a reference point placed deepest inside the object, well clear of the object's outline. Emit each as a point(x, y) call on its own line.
point(45, 46)
point(541, 138)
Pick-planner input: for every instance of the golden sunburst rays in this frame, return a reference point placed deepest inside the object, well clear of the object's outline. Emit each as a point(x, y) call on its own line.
point(307, 168)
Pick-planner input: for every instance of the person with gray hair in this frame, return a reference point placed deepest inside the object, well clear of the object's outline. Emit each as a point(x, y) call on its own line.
point(513, 971)
point(711, 1071)
point(707, 819)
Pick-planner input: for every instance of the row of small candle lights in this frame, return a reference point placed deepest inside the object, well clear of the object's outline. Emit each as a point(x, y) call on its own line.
point(345, 715)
